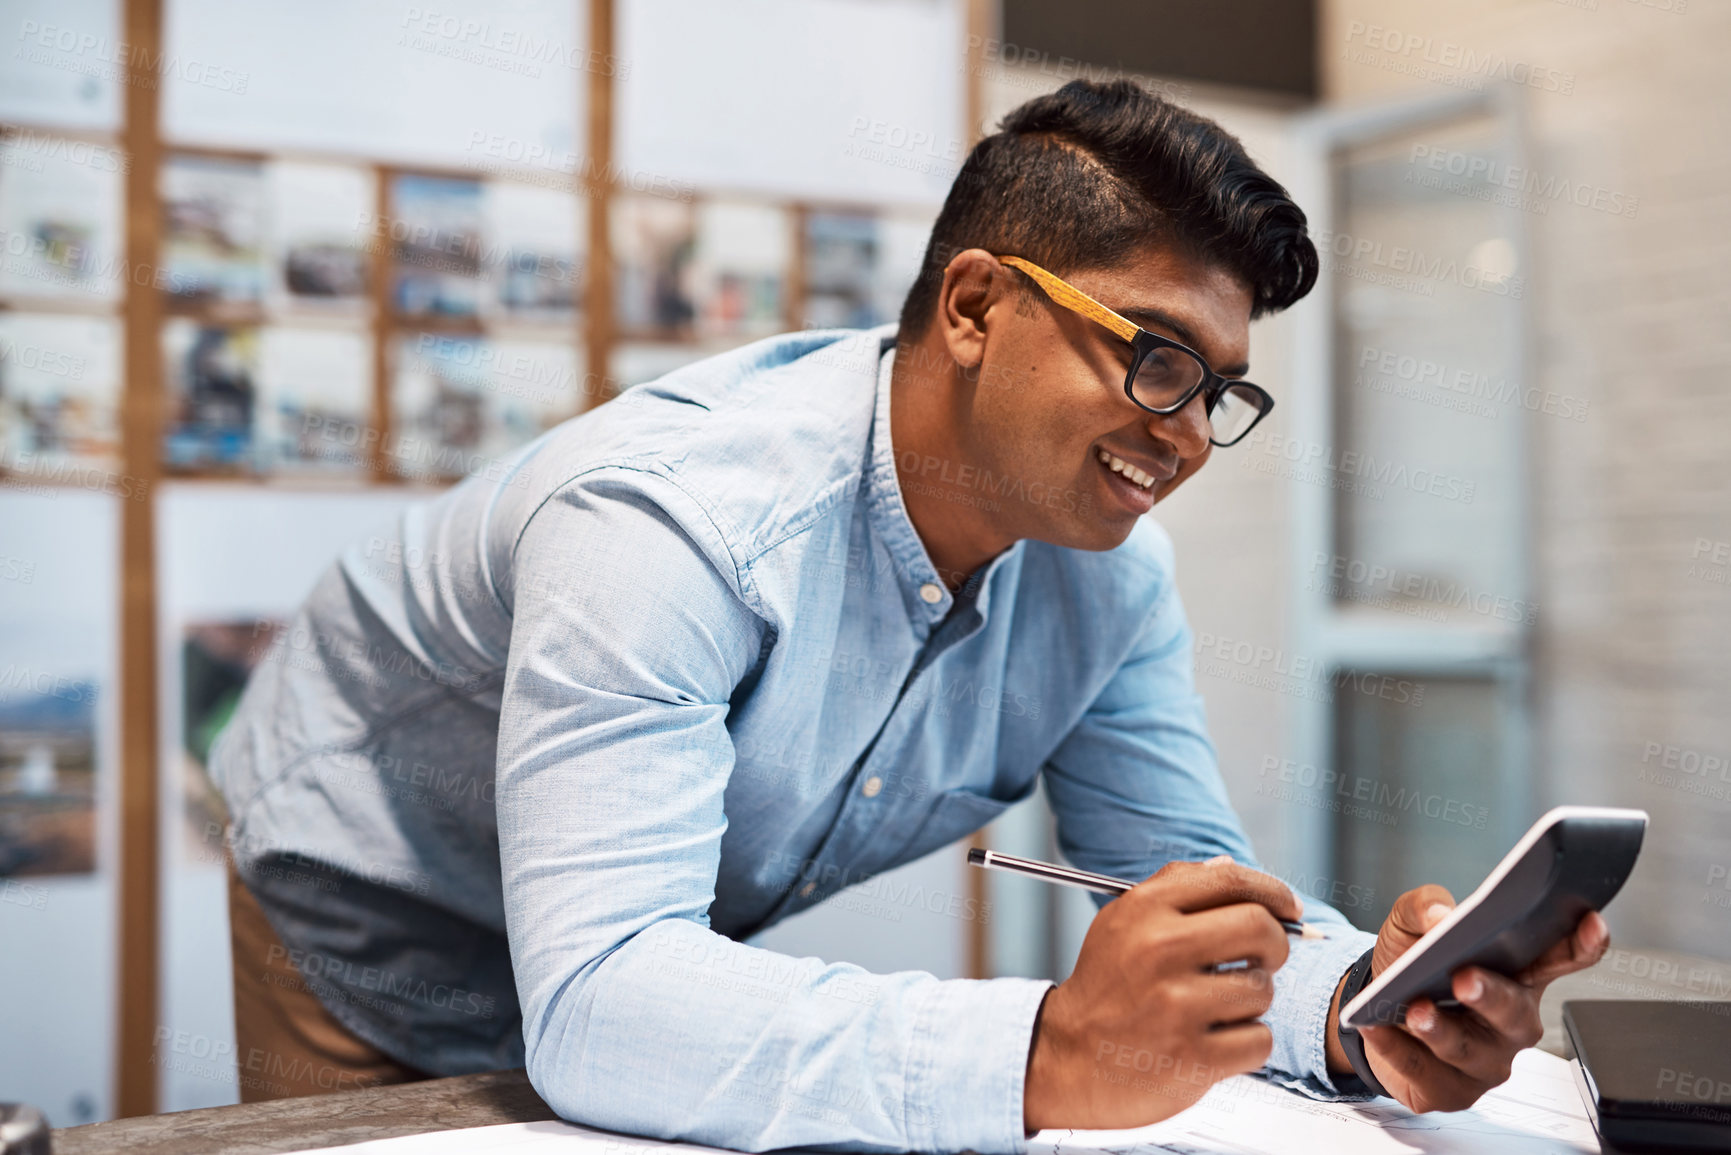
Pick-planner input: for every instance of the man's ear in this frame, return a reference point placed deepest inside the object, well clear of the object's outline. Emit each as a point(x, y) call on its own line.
point(973, 282)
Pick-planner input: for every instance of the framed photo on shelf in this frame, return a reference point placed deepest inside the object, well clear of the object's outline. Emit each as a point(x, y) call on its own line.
point(841, 258)
point(210, 376)
point(318, 247)
point(531, 255)
point(461, 405)
point(314, 401)
point(66, 218)
point(435, 246)
point(859, 266)
point(59, 391)
point(48, 779)
point(654, 245)
point(739, 269)
point(213, 229)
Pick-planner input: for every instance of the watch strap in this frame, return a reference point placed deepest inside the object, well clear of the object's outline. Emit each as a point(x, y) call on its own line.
point(1351, 1041)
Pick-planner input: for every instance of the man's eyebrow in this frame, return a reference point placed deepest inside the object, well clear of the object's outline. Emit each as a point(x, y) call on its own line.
point(1160, 319)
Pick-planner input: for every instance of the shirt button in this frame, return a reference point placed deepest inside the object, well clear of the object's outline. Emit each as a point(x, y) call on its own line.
point(872, 786)
point(805, 891)
point(931, 593)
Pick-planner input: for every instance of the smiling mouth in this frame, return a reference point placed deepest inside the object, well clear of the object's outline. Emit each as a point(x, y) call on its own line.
point(1118, 465)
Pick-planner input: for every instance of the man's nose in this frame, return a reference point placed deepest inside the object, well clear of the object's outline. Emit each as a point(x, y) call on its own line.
point(1186, 430)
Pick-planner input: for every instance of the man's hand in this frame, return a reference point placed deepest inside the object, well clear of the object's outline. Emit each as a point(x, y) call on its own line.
point(1142, 1027)
point(1444, 1060)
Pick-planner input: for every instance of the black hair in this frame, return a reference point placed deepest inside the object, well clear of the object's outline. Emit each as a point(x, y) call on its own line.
point(1086, 176)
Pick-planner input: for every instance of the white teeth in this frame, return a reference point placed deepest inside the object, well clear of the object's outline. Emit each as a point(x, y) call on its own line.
point(1119, 465)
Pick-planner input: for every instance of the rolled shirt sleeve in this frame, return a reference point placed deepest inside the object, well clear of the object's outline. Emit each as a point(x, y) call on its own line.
point(1136, 785)
point(631, 627)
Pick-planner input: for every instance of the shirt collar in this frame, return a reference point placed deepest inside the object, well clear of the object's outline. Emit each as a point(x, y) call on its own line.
point(923, 591)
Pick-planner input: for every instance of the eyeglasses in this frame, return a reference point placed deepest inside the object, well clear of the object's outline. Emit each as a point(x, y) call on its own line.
point(1164, 375)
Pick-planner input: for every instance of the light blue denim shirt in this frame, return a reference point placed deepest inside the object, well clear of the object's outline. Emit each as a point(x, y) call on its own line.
point(529, 764)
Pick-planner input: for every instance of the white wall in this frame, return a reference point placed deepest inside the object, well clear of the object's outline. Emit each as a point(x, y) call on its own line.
point(1628, 106)
point(224, 553)
point(850, 100)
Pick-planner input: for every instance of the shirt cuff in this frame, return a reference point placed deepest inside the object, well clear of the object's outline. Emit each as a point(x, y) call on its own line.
point(968, 1064)
point(1299, 1017)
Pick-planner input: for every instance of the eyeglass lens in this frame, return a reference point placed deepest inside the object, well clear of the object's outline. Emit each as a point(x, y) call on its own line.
point(1166, 375)
point(1234, 412)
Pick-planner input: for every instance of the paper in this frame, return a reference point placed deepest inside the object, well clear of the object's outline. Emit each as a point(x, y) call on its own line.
point(1537, 1112)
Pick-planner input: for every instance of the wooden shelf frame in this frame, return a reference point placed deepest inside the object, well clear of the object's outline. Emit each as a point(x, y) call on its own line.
point(143, 404)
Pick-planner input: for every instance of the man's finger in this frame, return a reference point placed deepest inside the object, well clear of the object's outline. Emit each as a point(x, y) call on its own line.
point(1244, 930)
point(1194, 886)
point(1237, 1049)
point(1582, 949)
point(1229, 997)
point(1509, 1008)
point(1415, 1076)
point(1413, 914)
point(1463, 1042)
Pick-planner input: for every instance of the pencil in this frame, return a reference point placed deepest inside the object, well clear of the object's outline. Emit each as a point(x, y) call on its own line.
point(1088, 880)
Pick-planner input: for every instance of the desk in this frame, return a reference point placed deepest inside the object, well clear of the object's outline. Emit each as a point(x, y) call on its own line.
point(317, 1121)
point(506, 1097)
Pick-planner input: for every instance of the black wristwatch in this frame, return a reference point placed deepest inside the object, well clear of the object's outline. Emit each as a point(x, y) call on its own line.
point(1362, 1081)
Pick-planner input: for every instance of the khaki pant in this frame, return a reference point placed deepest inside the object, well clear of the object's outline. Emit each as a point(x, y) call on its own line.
point(287, 1044)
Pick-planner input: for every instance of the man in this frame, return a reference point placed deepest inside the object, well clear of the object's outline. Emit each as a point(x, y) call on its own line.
point(523, 773)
